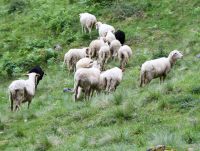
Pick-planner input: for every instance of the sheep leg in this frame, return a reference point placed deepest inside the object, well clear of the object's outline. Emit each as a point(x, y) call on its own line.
point(141, 80)
point(89, 29)
point(29, 102)
point(82, 28)
point(121, 64)
point(164, 76)
point(85, 30)
point(161, 77)
point(76, 91)
point(11, 101)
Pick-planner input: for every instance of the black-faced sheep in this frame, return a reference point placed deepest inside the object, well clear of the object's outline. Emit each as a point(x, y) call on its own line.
point(120, 35)
point(38, 70)
point(21, 91)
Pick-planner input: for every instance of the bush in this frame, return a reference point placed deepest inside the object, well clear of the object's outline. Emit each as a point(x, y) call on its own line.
point(196, 90)
point(11, 65)
point(17, 6)
point(160, 53)
point(100, 2)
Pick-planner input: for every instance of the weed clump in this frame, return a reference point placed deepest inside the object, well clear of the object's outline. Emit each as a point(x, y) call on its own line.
point(196, 90)
point(43, 145)
point(19, 133)
point(17, 6)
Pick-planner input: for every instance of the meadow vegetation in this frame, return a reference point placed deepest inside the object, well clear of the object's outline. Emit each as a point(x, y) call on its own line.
point(131, 118)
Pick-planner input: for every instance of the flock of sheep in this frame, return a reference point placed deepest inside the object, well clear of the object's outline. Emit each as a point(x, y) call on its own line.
point(89, 65)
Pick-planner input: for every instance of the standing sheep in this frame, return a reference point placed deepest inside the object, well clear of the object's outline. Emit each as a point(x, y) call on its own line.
point(87, 21)
point(104, 55)
point(114, 47)
point(21, 91)
point(84, 63)
point(120, 35)
point(86, 79)
point(110, 37)
point(158, 67)
point(104, 29)
point(110, 79)
point(72, 57)
point(38, 70)
point(124, 54)
point(94, 48)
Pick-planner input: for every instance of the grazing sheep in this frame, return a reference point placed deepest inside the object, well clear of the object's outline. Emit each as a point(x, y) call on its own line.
point(110, 79)
point(110, 37)
point(104, 55)
point(21, 91)
point(87, 22)
point(94, 48)
point(87, 80)
point(120, 35)
point(158, 67)
point(104, 29)
point(38, 70)
point(114, 47)
point(72, 57)
point(84, 63)
point(124, 54)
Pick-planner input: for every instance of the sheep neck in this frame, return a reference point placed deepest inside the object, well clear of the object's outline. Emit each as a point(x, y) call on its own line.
point(171, 60)
point(32, 79)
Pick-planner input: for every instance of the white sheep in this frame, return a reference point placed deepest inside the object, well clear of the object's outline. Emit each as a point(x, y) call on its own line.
point(72, 57)
point(87, 80)
point(114, 47)
point(84, 63)
point(104, 29)
point(21, 91)
point(124, 53)
point(104, 55)
point(94, 47)
point(158, 67)
point(87, 21)
point(110, 37)
point(110, 79)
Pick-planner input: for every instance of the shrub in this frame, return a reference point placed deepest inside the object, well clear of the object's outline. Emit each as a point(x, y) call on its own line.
point(9, 67)
point(19, 133)
point(196, 90)
point(2, 126)
point(43, 145)
point(160, 53)
point(16, 6)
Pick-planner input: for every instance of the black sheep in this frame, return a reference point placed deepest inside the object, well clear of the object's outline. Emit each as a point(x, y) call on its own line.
point(38, 70)
point(120, 35)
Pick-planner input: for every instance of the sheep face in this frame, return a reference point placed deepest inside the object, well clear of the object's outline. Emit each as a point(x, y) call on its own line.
point(98, 24)
point(175, 54)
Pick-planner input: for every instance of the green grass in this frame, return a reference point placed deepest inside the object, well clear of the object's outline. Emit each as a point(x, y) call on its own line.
point(131, 118)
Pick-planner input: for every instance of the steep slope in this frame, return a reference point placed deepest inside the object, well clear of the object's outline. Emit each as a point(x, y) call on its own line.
point(132, 118)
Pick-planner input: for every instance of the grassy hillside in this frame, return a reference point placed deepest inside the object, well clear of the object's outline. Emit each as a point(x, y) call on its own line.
point(132, 118)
